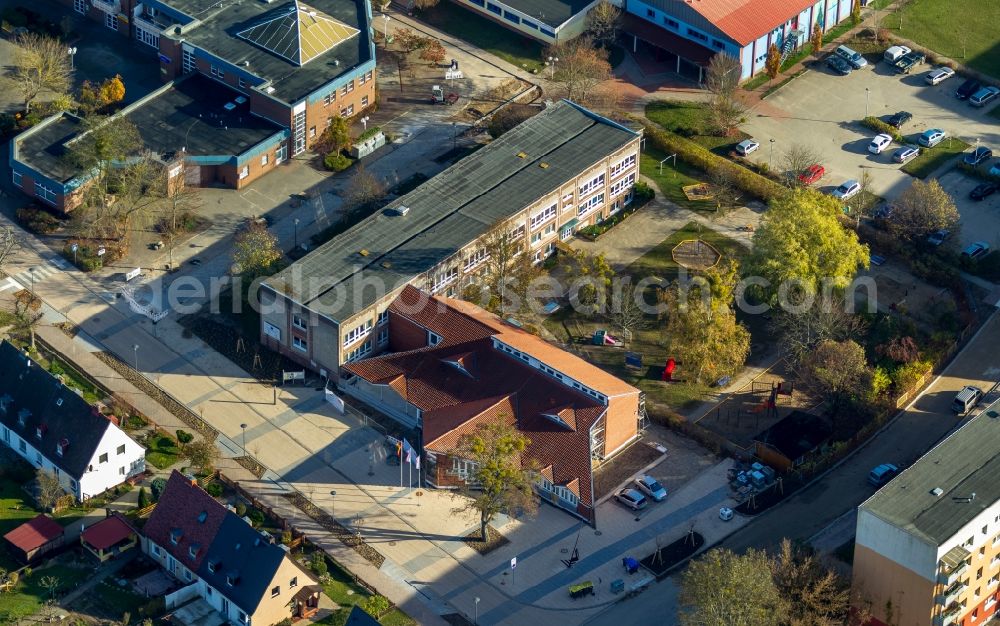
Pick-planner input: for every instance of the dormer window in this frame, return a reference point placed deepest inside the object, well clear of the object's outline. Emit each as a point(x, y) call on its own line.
point(61, 448)
point(175, 536)
point(232, 578)
point(22, 416)
point(39, 431)
point(59, 401)
point(202, 517)
point(193, 550)
point(433, 339)
point(213, 565)
point(556, 419)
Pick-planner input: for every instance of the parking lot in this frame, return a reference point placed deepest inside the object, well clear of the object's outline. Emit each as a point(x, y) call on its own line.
point(823, 111)
point(980, 220)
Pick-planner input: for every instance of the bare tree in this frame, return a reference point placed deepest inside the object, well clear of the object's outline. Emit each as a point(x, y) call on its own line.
point(505, 273)
point(48, 489)
point(802, 331)
point(725, 192)
point(581, 67)
point(364, 191)
point(40, 63)
point(862, 203)
point(722, 79)
point(603, 23)
point(10, 244)
point(179, 200)
point(626, 312)
point(796, 159)
point(27, 313)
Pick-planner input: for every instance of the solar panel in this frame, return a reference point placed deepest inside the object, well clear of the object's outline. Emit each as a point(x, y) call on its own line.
point(298, 33)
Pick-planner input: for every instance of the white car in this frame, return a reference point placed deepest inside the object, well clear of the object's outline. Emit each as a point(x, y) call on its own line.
point(931, 137)
point(649, 486)
point(725, 514)
point(747, 147)
point(905, 154)
point(939, 75)
point(879, 143)
point(847, 190)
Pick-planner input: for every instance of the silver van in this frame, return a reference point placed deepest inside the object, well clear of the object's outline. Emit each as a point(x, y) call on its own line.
point(965, 399)
point(852, 57)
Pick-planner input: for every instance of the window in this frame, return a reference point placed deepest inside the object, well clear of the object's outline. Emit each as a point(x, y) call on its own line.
point(433, 339)
point(547, 32)
point(103, 458)
point(80, 6)
point(510, 17)
point(241, 82)
point(650, 13)
point(364, 101)
point(347, 111)
point(443, 278)
point(383, 336)
point(263, 160)
point(45, 193)
point(210, 591)
point(623, 185)
point(299, 322)
point(144, 36)
point(312, 132)
point(188, 64)
point(718, 45)
point(692, 32)
point(551, 228)
point(293, 583)
point(275, 591)
point(357, 332)
point(217, 72)
point(17, 178)
point(671, 23)
point(480, 3)
point(281, 153)
point(590, 204)
point(360, 351)
point(536, 238)
point(463, 468)
point(244, 618)
point(543, 216)
point(567, 201)
point(517, 233)
point(383, 317)
point(618, 168)
point(156, 550)
point(530, 25)
point(979, 573)
point(300, 344)
point(328, 98)
point(346, 89)
point(111, 21)
point(474, 259)
point(244, 171)
point(364, 78)
point(121, 470)
point(120, 450)
point(22, 446)
point(592, 185)
point(492, 8)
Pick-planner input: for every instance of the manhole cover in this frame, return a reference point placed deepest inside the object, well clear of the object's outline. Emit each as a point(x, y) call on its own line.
point(598, 533)
point(419, 493)
point(563, 550)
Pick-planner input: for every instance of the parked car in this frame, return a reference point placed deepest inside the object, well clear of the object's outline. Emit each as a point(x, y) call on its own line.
point(904, 154)
point(854, 58)
point(632, 499)
point(725, 514)
point(838, 65)
point(897, 120)
point(893, 53)
point(811, 174)
point(879, 143)
point(847, 190)
point(884, 212)
point(941, 74)
point(931, 137)
point(882, 474)
point(976, 250)
point(908, 61)
point(937, 238)
point(995, 170)
point(977, 156)
point(746, 147)
point(649, 486)
point(983, 191)
point(984, 95)
point(968, 88)
point(965, 399)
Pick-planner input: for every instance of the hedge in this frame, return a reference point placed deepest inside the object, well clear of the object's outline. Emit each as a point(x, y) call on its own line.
point(38, 220)
point(705, 160)
point(336, 162)
point(879, 126)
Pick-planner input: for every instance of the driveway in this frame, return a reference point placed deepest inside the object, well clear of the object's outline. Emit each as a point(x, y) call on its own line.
point(823, 111)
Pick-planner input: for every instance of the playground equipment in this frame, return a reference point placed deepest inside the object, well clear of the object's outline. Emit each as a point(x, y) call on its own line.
point(602, 338)
point(586, 588)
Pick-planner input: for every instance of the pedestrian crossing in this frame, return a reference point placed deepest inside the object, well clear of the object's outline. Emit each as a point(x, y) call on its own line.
point(32, 275)
point(10, 283)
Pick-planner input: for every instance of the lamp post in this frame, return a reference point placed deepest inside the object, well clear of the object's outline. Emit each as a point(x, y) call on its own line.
point(243, 427)
point(386, 18)
point(552, 66)
point(31, 272)
point(296, 223)
point(770, 155)
point(868, 93)
point(72, 56)
point(135, 356)
point(364, 123)
point(477, 611)
point(333, 503)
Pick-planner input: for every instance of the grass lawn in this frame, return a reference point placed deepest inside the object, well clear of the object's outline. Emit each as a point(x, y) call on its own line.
point(945, 27)
point(164, 453)
point(673, 179)
point(341, 588)
point(15, 509)
point(658, 262)
point(482, 33)
point(932, 158)
point(690, 119)
point(29, 595)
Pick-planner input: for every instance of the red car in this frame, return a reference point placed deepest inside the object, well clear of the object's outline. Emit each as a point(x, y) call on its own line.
point(811, 174)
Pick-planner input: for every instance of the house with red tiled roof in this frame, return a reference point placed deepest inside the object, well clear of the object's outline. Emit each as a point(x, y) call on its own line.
point(686, 34)
point(452, 366)
point(221, 559)
point(34, 538)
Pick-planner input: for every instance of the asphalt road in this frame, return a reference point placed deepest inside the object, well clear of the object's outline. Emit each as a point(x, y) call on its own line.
point(917, 429)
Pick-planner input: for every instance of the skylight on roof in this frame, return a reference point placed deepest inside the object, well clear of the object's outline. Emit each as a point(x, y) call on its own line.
point(298, 33)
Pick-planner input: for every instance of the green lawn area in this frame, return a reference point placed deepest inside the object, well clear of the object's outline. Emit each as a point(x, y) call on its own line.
point(690, 119)
point(946, 26)
point(341, 588)
point(29, 595)
point(658, 261)
point(673, 179)
point(164, 453)
point(15, 509)
point(482, 33)
point(932, 158)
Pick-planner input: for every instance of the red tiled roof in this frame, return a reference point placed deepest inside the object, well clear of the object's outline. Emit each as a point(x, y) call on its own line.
point(177, 512)
point(107, 533)
point(435, 315)
point(34, 533)
point(746, 20)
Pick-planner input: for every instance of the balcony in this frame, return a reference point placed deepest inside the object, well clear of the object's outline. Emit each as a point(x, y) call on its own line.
point(148, 22)
point(953, 565)
point(953, 592)
point(108, 6)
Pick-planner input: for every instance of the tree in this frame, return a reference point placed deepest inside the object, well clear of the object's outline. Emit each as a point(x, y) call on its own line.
point(725, 192)
point(802, 331)
point(111, 91)
point(255, 251)
point(433, 52)
point(500, 481)
point(317, 562)
point(701, 330)
point(796, 159)
point(143, 498)
point(923, 208)
point(51, 583)
point(899, 349)
point(48, 489)
point(202, 454)
point(10, 245)
point(502, 283)
point(364, 191)
point(335, 138)
point(856, 12)
point(591, 275)
point(817, 38)
point(836, 369)
point(773, 63)
point(376, 605)
point(179, 201)
point(603, 22)
point(40, 63)
point(26, 315)
point(813, 594)
point(726, 111)
point(626, 311)
point(860, 204)
point(581, 67)
point(725, 588)
point(801, 249)
point(508, 117)
point(410, 41)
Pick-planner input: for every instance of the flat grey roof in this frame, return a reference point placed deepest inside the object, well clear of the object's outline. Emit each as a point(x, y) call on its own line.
point(43, 147)
point(551, 12)
point(220, 23)
point(965, 466)
point(191, 115)
point(450, 210)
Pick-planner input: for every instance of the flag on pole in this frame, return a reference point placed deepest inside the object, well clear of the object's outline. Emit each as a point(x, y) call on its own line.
point(409, 455)
point(399, 449)
point(417, 462)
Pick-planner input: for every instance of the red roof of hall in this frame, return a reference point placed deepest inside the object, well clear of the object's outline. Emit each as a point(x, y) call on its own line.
point(179, 511)
point(34, 533)
point(747, 20)
point(107, 532)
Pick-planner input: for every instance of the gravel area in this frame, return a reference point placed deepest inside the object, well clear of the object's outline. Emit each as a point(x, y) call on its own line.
point(346, 537)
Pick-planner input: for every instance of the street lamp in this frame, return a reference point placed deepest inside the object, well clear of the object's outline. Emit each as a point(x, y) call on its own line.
point(296, 222)
point(364, 123)
point(135, 355)
point(770, 155)
point(552, 65)
point(243, 427)
point(72, 54)
point(31, 271)
point(333, 504)
point(386, 18)
point(868, 93)
point(477, 611)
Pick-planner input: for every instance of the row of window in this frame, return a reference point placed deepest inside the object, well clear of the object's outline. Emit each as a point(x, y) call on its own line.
point(543, 216)
point(623, 185)
point(443, 278)
point(592, 185)
point(361, 351)
point(513, 18)
point(474, 259)
point(22, 447)
point(357, 332)
point(675, 25)
point(619, 167)
point(590, 205)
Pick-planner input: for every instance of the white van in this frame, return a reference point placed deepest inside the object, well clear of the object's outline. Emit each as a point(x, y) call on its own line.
point(852, 57)
point(965, 399)
point(893, 53)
